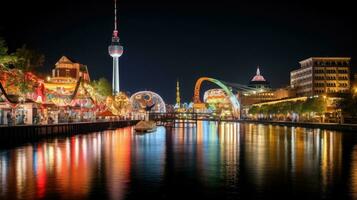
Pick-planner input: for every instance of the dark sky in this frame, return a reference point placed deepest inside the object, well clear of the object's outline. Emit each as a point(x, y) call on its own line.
point(169, 40)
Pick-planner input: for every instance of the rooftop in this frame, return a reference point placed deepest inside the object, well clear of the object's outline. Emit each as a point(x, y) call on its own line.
point(258, 77)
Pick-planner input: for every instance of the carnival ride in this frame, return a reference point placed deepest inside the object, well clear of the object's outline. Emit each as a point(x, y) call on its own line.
point(39, 91)
point(232, 98)
point(4, 97)
point(79, 95)
point(14, 82)
point(217, 102)
point(119, 104)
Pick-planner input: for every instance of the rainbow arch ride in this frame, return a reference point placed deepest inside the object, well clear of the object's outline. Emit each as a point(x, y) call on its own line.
point(233, 99)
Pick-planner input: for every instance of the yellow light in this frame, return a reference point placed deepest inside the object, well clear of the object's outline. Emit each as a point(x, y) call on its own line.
point(48, 78)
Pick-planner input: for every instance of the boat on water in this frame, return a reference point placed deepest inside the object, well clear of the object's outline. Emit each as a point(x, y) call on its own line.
point(145, 126)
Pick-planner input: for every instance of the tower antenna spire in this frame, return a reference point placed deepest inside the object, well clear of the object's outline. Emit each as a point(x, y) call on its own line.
point(115, 32)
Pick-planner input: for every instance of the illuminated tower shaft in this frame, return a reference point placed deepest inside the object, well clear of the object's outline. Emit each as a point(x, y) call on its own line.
point(178, 99)
point(115, 51)
point(115, 80)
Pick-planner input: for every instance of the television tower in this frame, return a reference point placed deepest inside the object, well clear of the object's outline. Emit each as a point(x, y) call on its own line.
point(115, 51)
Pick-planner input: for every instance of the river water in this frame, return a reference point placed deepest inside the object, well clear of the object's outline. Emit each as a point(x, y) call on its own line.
point(210, 161)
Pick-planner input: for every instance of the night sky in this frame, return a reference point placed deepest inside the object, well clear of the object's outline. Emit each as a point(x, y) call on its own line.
point(183, 40)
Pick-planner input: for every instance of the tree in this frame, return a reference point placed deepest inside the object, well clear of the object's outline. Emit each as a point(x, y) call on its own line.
point(349, 105)
point(264, 109)
point(253, 110)
point(297, 107)
point(286, 107)
point(102, 87)
point(5, 58)
point(28, 59)
point(274, 109)
point(317, 105)
point(24, 87)
point(3, 47)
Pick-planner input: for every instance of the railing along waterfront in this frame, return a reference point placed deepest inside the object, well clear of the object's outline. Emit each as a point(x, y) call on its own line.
point(174, 119)
point(29, 132)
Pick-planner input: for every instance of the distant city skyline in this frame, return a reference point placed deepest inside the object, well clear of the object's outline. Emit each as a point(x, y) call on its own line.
point(181, 40)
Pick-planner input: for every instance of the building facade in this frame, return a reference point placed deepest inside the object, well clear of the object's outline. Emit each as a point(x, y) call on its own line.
point(248, 99)
point(260, 91)
point(68, 71)
point(322, 76)
point(354, 84)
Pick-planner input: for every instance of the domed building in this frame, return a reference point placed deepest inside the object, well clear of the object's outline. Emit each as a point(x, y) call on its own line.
point(218, 102)
point(143, 99)
point(258, 81)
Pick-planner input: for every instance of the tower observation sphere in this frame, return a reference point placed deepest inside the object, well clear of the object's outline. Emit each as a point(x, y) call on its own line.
point(115, 51)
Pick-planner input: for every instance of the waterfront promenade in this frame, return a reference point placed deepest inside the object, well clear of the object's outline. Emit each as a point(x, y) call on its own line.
point(327, 126)
point(169, 118)
point(25, 133)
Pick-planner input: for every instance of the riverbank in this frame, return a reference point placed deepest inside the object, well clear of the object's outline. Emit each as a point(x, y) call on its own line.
point(27, 133)
point(327, 126)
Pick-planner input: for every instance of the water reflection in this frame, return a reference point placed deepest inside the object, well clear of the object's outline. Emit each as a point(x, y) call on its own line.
point(228, 159)
point(354, 173)
point(67, 167)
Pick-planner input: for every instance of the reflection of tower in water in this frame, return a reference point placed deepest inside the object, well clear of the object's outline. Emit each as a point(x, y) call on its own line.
point(117, 152)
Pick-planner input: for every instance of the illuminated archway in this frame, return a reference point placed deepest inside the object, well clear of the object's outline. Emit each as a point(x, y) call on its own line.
point(233, 99)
